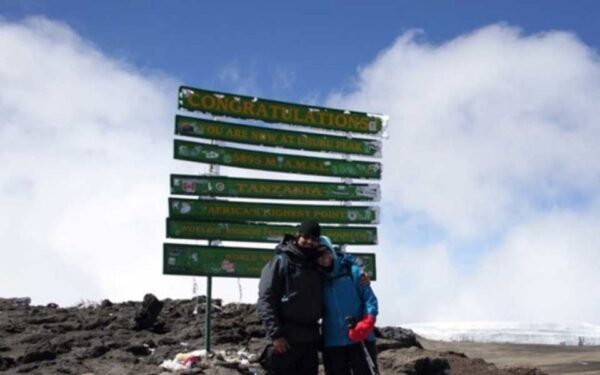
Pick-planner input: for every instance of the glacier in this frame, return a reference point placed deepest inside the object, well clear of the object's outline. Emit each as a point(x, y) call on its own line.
point(580, 334)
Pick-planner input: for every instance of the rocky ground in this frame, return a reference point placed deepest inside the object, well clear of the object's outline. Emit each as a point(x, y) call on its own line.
point(136, 337)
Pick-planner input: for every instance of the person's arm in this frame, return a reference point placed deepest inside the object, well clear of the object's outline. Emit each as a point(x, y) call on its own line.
point(352, 262)
point(367, 296)
point(269, 297)
point(365, 326)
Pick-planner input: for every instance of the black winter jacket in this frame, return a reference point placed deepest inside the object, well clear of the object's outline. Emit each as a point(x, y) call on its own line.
point(297, 318)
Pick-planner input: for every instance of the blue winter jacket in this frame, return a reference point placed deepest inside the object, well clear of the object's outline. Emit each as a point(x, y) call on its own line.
point(343, 296)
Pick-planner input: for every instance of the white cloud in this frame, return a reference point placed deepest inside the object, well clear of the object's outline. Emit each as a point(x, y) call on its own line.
point(494, 140)
point(283, 78)
point(242, 77)
point(85, 149)
point(545, 269)
point(249, 77)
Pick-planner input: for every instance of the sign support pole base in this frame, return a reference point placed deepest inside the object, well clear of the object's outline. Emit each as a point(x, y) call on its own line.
point(208, 311)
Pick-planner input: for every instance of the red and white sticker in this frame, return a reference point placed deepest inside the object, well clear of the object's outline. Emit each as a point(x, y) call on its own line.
point(189, 186)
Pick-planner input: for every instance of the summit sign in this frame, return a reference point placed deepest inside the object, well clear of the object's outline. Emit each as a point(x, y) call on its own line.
point(254, 135)
point(279, 189)
point(216, 210)
point(194, 229)
point(193, 260)
point(237, 131)
point(246, 107)
point(234, 157)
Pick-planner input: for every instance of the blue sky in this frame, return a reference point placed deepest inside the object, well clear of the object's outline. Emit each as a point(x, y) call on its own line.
point(321, 44)
point(491, 189)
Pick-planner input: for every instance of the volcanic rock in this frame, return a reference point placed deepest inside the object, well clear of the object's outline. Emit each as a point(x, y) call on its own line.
point(414, 361)
point(6, 363)
point(96, 351)
point(98, 339)
point(405, 338)
point(147, 314)
point(138, 350)
point(41, 352)
point(22, 301)
point(122, 356)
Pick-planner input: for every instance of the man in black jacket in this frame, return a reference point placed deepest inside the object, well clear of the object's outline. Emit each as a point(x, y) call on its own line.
point(290, 304)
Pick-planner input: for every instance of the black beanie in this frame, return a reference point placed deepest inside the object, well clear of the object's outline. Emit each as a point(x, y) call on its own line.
point(310, 227)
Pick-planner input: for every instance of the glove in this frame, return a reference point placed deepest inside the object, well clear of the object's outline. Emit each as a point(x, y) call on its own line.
point(362, 329)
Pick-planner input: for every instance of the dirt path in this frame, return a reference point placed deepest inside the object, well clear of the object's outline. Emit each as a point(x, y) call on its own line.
point(553, 359)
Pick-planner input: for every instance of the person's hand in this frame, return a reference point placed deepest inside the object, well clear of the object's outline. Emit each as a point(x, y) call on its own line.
point(362, 329)
point(364, 279)
point(280, 345)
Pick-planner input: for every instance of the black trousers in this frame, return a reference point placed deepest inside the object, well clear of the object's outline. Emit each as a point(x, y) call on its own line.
point(300, 359)
point(349, 359)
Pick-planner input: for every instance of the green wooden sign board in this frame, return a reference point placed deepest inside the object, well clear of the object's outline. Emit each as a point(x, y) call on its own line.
point(247, 107)
point(193, 260)
point(255, 135)
point(216, 210)
point(269, 189)
point(263, 232)
point(234, 157)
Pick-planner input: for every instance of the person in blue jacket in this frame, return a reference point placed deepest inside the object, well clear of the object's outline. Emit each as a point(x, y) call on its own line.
point(346, 298)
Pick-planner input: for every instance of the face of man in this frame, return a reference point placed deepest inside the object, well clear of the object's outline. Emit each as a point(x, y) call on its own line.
point(305, 241)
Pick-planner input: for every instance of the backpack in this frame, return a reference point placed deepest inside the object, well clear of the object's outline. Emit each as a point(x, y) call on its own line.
point(284, 259)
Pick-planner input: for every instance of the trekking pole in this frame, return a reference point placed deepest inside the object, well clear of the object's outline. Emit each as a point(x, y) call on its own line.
point(351, 321)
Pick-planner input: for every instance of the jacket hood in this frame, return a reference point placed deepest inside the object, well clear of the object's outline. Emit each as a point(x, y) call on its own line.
point(288, 245)
point(326, 241)
point(339, 258)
